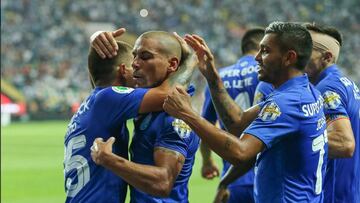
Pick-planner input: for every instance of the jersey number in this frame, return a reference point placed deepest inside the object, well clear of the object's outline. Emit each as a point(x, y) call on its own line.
point(318, 145)
point(77, 162)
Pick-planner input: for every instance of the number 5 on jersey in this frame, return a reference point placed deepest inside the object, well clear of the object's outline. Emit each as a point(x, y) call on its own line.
point(77, 162)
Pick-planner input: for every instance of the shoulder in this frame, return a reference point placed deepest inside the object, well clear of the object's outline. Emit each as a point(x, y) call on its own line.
point(119, 91)
point(333, 89)
point(265, 87)
point(178, 126)
point(331, 82)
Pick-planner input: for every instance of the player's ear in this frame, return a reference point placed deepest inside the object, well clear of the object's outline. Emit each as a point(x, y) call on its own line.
point(121, 69)
point(173, 64)
point(290, 58)
point(328, 57)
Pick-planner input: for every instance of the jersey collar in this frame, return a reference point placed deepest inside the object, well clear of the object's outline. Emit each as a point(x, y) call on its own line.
point(296, 81)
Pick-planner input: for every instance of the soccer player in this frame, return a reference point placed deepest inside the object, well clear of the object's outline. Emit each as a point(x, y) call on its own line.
point(163, 148)
point(240, 81)
point(288, 144)
point(342, 110)
point(104, 113)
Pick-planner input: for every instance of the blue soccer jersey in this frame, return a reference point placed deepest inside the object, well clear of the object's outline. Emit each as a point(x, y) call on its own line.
point(342, 97)
point(161, 130)
point(240, 81)
point(263, 90)
point(292, 126)
point(103, 113)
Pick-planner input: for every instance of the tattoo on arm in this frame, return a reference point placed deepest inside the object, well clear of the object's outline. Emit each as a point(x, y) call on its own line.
point(228, 110)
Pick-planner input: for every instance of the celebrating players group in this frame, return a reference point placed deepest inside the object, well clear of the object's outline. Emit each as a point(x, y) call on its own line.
point(288, 119)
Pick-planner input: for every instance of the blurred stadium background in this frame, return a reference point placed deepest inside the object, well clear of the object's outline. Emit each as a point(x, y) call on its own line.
point(44, 46)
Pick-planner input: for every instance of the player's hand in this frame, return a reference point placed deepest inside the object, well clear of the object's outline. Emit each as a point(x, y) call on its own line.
point(222, 195)
point(100, 149)
point(188, 56)
point(209, 169)
point(105, 44)
point(204, 55)
point(177, 103)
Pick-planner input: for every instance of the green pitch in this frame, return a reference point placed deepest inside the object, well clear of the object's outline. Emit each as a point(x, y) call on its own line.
point(32, 170)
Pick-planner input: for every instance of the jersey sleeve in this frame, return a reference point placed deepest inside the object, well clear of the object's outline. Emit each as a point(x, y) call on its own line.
point(275, 121)
point(120, 102)
point(209, 112)
point(263, 90)
point(335, 99)
point(176, 135)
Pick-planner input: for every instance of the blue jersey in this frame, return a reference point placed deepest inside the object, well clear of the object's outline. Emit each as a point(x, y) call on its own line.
point(342, 97)
point(292, 126)
point(263, 90)
point(103, 113)
point(161, 130)
point(240, 81)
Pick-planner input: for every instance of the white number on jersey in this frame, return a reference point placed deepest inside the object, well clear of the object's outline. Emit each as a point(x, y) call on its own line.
point(318, 145)
point(77, 162)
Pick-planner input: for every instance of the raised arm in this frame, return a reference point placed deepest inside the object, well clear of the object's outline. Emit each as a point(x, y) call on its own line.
point(233, 117)
point(155, 180)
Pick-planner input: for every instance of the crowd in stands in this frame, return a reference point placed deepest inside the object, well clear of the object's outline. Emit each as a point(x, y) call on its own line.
point(44, 44)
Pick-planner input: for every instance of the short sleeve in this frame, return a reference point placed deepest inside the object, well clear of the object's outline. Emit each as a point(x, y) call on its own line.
point(120, 102)
point(276, 120)
point(335, 99)
point(175, 136)
point(263, 90)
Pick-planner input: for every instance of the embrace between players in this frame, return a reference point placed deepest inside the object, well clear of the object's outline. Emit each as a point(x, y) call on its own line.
point(298, 143)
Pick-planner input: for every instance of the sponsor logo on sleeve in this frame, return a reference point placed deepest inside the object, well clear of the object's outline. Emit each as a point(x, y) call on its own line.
point(331, 100)
point(181, 128)
point(122, 90)
point(270, 112)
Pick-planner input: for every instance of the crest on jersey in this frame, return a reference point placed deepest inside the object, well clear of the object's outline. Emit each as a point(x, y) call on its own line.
point(259, 97)
point(270, 112)
point(181, 128)
point(331, 100)
point(145, 122)
point(122, 90)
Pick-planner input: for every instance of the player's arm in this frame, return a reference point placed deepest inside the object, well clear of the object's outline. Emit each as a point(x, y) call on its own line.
point(233, 117)
point(231, 175)
point(209, 169)
point(156, 180)
point(340, 137)
point(226, 145)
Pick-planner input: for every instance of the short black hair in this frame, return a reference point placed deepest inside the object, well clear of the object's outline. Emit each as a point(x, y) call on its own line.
point(251, 39)
point(102, 71)
point(293, 36)
point(328, 30)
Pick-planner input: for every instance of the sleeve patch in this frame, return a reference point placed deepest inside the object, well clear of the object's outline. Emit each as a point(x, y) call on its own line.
point(122, 90)
point(259, 97)
point(331, 100)
point(270, 112)
point(181, 128)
